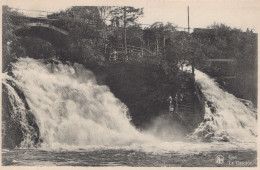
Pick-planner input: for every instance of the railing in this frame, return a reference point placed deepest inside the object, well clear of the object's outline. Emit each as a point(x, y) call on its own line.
point(184, 106)
point(228, 60)
point(47, 26)
point(33, 13)
point(183, 109)
point(133, 53)
point(133, 49)
point(41, 14)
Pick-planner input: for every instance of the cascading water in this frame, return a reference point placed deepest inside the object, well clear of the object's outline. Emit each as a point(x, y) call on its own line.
point(226, 117)
point(70, 108)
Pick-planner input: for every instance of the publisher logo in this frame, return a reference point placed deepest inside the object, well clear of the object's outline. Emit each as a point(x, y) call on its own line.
point(220, 159)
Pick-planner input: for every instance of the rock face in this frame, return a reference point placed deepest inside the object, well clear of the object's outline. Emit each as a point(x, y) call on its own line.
point(191, 115)
point(19, 126)
point(145, 89)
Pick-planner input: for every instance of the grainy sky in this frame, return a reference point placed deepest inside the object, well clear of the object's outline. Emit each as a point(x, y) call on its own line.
point(235, 13)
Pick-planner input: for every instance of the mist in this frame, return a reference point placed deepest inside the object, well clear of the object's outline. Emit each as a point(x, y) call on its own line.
point(166, 128)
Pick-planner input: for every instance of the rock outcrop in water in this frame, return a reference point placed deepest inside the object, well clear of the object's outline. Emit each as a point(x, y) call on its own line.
point(145, 88)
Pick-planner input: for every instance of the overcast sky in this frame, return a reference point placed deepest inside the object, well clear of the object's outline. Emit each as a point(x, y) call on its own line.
point(237, 13)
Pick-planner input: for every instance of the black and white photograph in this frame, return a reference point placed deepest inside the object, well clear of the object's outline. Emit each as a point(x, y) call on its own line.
point(146, 83)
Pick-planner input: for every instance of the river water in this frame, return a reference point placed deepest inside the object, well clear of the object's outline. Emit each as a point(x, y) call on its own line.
point(82, 124)
point(122, 157)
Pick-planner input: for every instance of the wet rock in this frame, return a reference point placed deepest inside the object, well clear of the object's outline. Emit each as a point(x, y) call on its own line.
point(225, 138)
point(13, 132)
point(213, 109)
point(209, 103)
point(252, 133)
point(200, 134)
point(208, 137)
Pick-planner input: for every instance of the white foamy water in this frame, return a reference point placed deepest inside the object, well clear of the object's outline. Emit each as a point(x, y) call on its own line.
point(71, 109)
point(226, 116)
point(73, 112)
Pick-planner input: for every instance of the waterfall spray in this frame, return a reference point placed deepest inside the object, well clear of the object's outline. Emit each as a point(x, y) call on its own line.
point(70, 108)
point(226, 117)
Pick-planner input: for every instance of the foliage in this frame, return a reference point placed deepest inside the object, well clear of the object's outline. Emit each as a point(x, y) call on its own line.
point(121, 16)
point(15, 46)
point(156, 35)
point(135, 34)
point(132, 14)
point(9, 40)
point(183, 49)
point(225, 42)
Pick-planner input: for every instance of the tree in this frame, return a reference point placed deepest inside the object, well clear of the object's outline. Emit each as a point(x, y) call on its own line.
point(104, 13)
point(85, 14)
point(156, 36)
point(158, 30)
point(135, 35)
point(123, 16)
point(234, 43)
point(183, 49)
point(11, 48)
point(168, 29)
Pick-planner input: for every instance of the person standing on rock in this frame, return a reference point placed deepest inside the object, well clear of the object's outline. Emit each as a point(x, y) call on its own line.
point(171, 108)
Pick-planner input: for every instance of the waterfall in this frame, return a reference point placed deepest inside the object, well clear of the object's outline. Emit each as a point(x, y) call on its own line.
point(226, 117)
point(71, 108)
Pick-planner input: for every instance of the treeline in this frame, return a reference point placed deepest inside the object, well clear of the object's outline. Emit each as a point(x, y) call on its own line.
point(225, 42)
point(95, 32)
